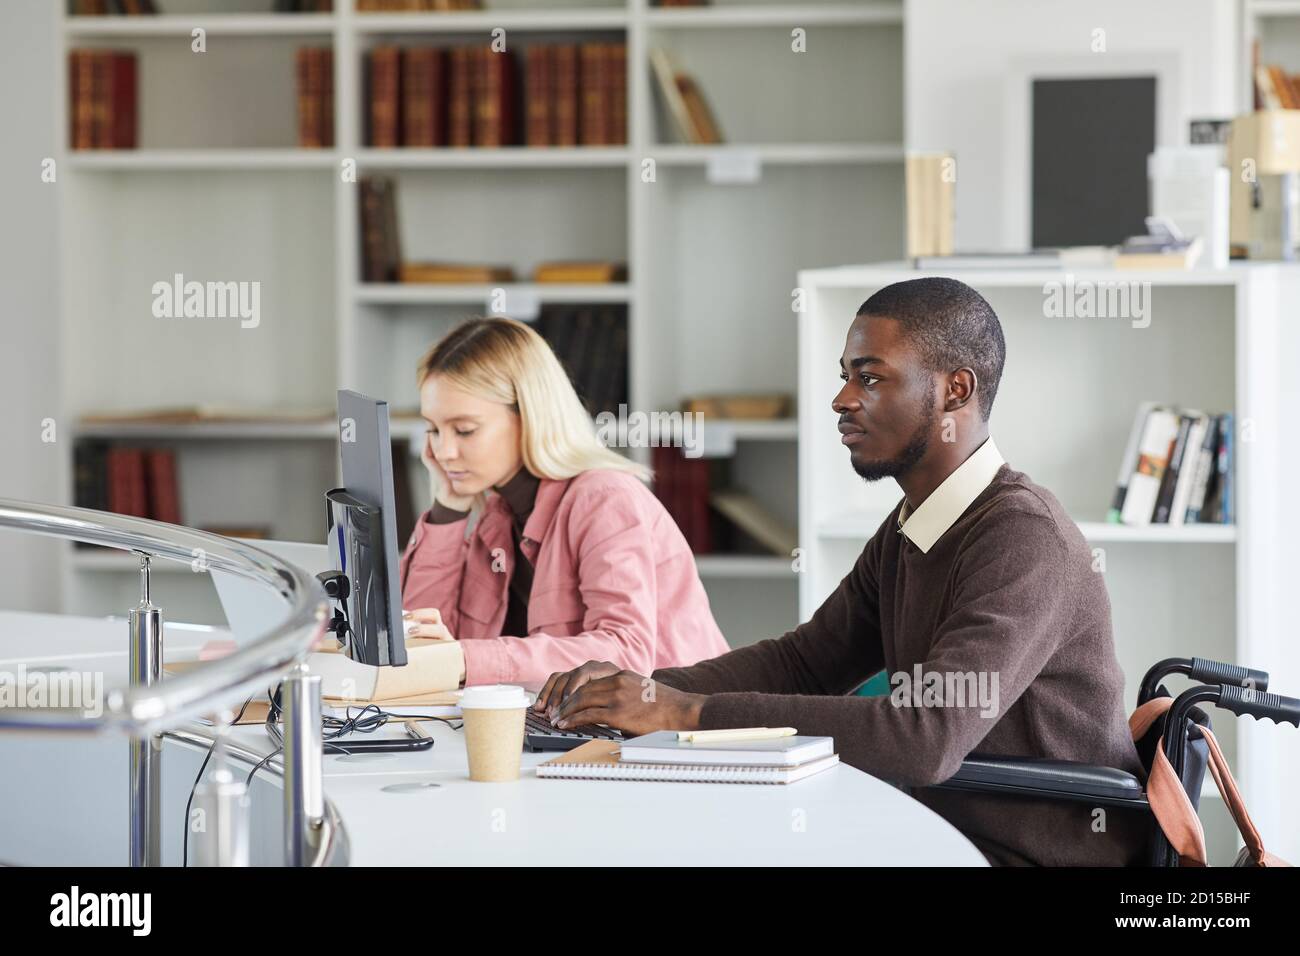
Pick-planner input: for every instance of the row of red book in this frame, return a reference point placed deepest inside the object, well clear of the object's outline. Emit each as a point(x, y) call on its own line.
point(572, 94)
point(102, 88)
point(141, 482)
point(682, 485)
point(314, 69)
point(104, 8)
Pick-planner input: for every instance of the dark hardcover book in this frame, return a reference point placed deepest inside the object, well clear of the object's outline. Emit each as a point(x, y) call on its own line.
point(81, 66)
point(1169, 480)
point(617, 101)
point(123, 108)
point(460, 96)
point(1226, 463)
point(612, 360)
point(301, 67)
point(90, 475)
point(592, 122)
point(126, 482)
point(326, 59)
point(380, 248)
point(1205, 456)
point(163, 489)
point(423, 97)
point(101, 121)
point(564, 107)
point(384, 70)
point(663, 460)
point(494, 98)
point(538, 95)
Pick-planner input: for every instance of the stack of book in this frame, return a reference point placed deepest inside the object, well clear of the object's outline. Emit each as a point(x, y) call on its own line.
point(314, 69)
point(591, 343)
point(140, 482)
point(103, 92)
point(731, 756)
point(572, 94)
point(1177, 469)
point(580, 273)
point(457, 273)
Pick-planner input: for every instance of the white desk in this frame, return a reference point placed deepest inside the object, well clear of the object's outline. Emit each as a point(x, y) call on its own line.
point(69, 806)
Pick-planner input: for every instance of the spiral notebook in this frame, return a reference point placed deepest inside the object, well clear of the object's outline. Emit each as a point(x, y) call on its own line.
point(598, 760)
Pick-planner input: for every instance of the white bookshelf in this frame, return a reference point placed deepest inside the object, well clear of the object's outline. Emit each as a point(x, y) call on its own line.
point(1275, 25)
point(1217, 340)
point(219, 190)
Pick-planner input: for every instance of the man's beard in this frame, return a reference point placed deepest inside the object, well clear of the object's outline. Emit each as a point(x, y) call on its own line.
point(905, 460)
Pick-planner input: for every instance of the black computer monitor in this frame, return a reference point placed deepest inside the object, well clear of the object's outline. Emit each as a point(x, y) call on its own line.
point(363, 532)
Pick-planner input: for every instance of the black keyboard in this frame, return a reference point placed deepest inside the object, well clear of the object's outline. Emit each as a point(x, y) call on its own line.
point(541, 734)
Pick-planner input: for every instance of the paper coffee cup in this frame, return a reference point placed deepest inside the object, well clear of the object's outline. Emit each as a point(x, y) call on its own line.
point(494, 730)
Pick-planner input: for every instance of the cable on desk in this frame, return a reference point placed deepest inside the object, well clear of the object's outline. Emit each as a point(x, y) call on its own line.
point(185, 842)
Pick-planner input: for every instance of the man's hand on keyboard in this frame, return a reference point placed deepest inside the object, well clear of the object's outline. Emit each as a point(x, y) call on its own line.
point(630, 702)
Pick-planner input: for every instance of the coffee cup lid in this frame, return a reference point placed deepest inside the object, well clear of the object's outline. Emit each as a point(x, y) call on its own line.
point(493, 697)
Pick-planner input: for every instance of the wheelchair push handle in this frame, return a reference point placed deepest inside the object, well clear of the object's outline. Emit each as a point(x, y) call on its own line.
point(1245, 701)
point(1233, 675)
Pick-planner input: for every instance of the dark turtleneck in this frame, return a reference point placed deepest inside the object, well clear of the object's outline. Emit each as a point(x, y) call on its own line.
point(519, 494)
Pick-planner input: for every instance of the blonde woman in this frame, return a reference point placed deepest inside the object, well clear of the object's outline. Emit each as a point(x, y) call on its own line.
point(542, 549)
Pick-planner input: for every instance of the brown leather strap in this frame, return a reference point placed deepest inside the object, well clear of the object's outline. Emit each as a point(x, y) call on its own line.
point(1140, 720)
point(1227, 785)
point(1174, 811)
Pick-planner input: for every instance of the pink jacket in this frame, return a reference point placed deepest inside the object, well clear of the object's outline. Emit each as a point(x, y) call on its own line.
point(613, 580)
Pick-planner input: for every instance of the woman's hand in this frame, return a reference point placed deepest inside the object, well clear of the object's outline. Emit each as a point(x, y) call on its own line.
point(440, 489)
point(426, 622)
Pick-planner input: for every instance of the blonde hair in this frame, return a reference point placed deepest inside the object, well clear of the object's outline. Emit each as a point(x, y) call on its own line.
point(505, 361)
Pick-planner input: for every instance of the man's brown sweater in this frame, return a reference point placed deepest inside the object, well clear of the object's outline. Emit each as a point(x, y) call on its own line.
point(1007, 594)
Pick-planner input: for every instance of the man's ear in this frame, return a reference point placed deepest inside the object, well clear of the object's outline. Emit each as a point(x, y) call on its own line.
point(962, 385)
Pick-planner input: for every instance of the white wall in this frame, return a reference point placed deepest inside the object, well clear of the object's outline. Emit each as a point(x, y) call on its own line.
point(958, 55)
point(29, 305)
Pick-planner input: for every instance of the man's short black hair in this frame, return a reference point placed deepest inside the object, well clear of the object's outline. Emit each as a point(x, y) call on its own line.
point(951, 325)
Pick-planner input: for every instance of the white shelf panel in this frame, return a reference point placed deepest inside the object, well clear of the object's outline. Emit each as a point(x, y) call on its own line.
point(876, 276)
point(155, 160)
point(793, 15)
point(227, 24)
point(744, 566)
point(1273, 8)
point(808, 154)
point(483, 157)
point(1160, 534)
point(862, 525)
point(209, 431)
point(778, 429)
point(473, 21)
point(433, 293)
